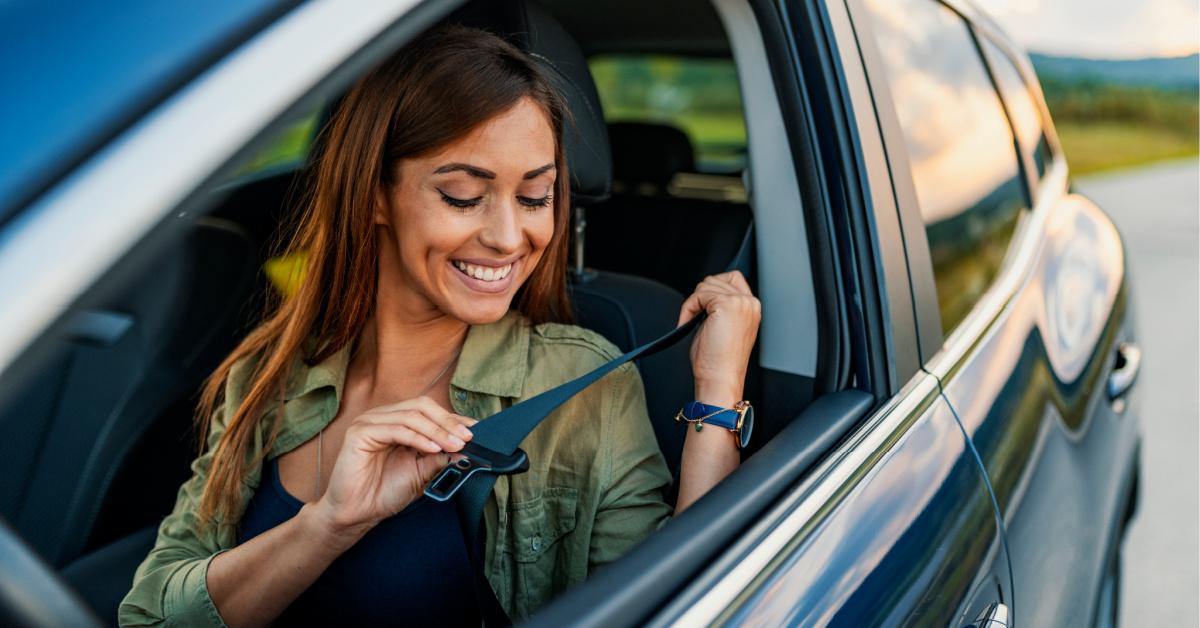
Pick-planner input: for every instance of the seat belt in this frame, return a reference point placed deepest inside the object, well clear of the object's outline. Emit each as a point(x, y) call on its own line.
point(494, 449)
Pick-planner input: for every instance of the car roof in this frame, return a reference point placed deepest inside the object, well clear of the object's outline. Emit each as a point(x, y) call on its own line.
point(77, 73)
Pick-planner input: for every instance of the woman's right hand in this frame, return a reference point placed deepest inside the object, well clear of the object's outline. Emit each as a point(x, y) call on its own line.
point(388, 455)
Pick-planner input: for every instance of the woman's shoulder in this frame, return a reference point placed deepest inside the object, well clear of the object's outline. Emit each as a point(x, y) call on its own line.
point(573, 343)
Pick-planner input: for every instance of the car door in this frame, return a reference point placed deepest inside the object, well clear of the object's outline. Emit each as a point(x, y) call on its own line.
point(1020, 295)
point(895, 525)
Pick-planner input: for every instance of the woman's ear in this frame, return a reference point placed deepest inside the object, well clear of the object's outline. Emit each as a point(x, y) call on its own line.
point(381, 215)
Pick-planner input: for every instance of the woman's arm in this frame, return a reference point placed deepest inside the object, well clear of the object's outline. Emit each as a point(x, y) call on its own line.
point(388, 454)
point(720, 353)
point(254, 582)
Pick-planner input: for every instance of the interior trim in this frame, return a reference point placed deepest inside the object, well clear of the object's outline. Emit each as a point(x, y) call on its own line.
point(787, 336)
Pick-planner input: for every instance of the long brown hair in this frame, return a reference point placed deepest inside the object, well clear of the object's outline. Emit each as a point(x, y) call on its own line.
point(430, 93)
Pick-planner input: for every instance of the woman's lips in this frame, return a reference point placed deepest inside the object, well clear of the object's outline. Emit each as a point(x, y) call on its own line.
point(487, 287)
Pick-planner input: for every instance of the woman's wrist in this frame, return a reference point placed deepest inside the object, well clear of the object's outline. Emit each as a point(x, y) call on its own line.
point(722, 395)
point(318, 524)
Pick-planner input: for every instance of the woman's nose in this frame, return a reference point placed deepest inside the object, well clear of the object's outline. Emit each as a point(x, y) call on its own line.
point(502, 230)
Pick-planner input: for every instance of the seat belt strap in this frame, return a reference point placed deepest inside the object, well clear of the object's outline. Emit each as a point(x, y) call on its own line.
point(494, 448)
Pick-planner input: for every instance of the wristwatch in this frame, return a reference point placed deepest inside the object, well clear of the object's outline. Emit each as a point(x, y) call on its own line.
point(739, 419)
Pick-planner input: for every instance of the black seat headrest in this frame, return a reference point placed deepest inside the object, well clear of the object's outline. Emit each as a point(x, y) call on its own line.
point(649, 153)
point(528, 26)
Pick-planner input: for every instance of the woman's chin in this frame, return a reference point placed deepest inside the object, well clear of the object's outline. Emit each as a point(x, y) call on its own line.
point(481, 314)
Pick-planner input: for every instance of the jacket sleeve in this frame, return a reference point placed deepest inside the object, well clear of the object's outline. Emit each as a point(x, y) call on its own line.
point(170, 586)
point(631, 503)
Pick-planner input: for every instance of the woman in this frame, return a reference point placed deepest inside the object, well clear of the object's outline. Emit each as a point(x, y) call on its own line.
point(438, 204)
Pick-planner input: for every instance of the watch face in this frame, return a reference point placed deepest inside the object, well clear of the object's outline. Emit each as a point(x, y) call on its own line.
point(747, 427)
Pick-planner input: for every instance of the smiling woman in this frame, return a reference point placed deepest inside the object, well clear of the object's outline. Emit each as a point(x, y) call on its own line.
point(465, 261)
point(433, 295)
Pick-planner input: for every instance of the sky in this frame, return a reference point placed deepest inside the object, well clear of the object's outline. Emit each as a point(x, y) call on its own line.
point(1103, 29)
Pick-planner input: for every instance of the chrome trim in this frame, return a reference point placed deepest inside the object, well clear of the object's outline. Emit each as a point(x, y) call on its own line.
point(1122, 379)
point(73, 234)
point(994, 616)
point(785, 524)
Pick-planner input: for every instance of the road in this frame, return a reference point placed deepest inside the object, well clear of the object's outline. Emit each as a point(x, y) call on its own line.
point(1157, 209)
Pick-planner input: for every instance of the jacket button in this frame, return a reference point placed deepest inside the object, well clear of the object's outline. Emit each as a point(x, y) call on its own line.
point(536, 544)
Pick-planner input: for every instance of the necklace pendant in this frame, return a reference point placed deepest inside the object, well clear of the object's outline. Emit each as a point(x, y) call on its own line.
point(699, 426)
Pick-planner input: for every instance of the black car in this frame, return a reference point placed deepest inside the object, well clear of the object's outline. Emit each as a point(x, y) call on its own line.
point(946, 426)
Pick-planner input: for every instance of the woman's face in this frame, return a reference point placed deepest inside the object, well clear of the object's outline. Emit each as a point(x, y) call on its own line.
point(463, 228)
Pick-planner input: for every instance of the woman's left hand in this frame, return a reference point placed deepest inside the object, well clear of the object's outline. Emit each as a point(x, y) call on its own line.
point(721, 349)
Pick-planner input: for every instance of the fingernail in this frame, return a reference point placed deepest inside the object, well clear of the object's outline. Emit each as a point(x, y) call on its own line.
point(464, 432)
point(457, 441)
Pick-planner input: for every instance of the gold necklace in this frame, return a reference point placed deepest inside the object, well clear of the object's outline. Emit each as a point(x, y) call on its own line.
point(321, 434)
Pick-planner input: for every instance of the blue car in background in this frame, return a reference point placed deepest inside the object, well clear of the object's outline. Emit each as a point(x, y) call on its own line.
point(945, 379)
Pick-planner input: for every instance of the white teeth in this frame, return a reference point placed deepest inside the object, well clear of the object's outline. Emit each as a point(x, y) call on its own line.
point(484, 273)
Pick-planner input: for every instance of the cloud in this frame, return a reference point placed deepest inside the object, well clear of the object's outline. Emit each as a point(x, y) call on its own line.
point(1101, 28)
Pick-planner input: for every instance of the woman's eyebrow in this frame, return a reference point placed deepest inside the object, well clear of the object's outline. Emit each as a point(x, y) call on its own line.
point(537, 171)
point(482, 173)
point(467, 168)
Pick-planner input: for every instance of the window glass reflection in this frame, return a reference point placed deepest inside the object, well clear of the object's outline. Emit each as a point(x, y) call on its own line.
point(960, 146)
point(1021, 108)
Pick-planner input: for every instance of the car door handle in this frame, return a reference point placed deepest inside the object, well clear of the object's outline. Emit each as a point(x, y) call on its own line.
point(1125, 370)
point(994, 616)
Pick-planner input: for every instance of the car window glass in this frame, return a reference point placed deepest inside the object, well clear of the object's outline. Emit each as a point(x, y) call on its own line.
point(1026, 121)
point(696, 95)
point(286, 151)
point(960, 146)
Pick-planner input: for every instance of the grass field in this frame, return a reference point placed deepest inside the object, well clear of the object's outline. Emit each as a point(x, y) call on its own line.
point(1094, 147)
point(1104, 126)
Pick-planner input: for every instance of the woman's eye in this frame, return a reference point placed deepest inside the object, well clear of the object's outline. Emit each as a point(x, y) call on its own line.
point(460, 203)
point(534, 203)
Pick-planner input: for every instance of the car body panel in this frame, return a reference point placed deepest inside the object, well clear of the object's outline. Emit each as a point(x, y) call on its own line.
point(1032, 395)
point(903, 531)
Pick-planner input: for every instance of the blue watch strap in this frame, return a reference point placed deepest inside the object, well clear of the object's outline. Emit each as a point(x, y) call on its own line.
point(713, 415)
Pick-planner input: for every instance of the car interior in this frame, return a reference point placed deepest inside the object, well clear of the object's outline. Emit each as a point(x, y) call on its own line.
point(93, 451)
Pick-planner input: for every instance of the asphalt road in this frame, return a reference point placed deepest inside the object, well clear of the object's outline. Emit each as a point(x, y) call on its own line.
point(1157, 209)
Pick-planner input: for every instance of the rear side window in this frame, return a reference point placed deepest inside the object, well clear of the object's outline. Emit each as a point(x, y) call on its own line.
point(699, 96)
point(1026, 121)
point(960, 146)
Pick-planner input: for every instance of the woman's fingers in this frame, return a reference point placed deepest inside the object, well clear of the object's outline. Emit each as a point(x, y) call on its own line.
point(382, 436)
point(443, 430)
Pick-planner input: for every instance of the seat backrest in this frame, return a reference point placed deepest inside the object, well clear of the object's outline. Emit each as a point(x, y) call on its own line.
point(648, 154)
point(677, 240)
point(63, 442)
point(630, 311)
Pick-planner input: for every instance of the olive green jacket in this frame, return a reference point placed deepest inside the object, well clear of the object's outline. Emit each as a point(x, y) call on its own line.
point(594, 488)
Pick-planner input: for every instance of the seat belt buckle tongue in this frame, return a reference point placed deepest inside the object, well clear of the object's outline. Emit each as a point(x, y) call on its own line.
point(476, 459)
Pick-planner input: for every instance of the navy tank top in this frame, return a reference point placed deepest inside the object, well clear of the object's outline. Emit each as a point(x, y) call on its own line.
point(410, 570)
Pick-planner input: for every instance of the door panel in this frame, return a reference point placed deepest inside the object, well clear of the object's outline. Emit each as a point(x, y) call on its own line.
point(1032, 396)
point(899, 529)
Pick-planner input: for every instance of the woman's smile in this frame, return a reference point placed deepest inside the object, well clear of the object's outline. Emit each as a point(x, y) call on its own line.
point(488, 276)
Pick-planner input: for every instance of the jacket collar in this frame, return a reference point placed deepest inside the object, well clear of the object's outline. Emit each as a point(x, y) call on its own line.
point(493, 361)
